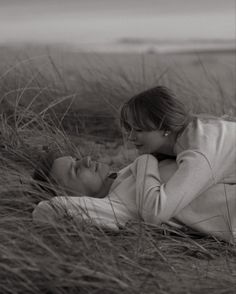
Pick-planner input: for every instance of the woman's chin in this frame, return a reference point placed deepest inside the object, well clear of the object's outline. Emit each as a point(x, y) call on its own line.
point(140, 151)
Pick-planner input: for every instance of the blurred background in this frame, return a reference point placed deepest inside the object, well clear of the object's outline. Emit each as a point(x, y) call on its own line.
point(124, 25)
point(79, 60)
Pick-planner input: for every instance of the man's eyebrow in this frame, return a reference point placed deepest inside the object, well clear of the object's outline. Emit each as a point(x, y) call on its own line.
point(70, 168)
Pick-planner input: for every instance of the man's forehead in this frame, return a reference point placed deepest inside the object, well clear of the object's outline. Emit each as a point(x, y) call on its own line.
point(61, 167)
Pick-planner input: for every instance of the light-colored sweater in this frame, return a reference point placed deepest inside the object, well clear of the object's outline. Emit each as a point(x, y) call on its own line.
point(201, 193)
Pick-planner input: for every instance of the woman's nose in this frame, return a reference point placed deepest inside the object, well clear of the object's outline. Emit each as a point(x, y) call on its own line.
point(131, 135)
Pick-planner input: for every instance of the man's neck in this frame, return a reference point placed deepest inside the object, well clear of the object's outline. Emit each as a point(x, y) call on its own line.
point(105, 188)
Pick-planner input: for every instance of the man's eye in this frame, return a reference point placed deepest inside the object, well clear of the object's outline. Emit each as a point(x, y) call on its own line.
point(77, 171)
point(76, 168)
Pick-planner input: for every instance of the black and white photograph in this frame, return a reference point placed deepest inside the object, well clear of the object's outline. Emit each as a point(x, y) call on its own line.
point(117, 147)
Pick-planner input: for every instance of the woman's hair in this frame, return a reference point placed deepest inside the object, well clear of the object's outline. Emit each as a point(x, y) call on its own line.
point(155, 108)
point(42, 172)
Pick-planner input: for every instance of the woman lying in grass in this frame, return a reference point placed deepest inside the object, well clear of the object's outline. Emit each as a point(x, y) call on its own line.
point(200, 187)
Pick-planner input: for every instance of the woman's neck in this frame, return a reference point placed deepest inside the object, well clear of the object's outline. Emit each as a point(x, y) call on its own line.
point(168, 147)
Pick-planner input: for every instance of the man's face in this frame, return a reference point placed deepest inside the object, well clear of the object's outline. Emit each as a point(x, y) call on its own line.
point(82, 176)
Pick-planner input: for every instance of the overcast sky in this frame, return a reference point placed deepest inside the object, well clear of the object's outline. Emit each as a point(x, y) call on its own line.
point(97, 21)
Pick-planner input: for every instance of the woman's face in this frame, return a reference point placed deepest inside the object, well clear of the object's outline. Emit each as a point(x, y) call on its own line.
point(148, 141)
point(82, 176)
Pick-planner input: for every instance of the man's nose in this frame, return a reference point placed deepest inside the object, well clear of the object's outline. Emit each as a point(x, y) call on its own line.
point(85, 161)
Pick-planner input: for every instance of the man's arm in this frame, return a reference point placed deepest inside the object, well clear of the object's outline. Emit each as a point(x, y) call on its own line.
point(99, 211)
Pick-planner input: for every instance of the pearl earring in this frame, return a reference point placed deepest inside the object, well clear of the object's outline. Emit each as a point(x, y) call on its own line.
point(166, 134)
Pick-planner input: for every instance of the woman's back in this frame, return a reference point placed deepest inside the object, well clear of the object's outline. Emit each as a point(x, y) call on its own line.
point(214, 139)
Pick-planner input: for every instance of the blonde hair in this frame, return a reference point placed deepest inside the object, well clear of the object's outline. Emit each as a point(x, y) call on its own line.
point(155, 108)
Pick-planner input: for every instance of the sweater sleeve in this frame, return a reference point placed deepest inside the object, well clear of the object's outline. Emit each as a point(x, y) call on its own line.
point(157, 202)
point(98, 211)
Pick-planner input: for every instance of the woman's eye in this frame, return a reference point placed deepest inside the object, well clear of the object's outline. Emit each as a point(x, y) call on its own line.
point(127, 129)
point(138, 130)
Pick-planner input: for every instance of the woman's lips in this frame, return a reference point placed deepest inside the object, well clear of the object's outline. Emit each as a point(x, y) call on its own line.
point(138, 146)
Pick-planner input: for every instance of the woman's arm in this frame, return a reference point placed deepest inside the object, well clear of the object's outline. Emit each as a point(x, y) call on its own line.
point(167, 168)
point(160, 197)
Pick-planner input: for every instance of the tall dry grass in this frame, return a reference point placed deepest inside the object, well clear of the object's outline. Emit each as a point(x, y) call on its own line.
point(38, 102)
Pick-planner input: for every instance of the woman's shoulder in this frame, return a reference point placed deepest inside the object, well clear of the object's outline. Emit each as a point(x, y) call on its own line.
point(203, 130)
point(203, 122)
point(210, 118)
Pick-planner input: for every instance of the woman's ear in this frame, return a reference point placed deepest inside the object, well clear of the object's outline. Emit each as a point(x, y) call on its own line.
point(166, 133)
